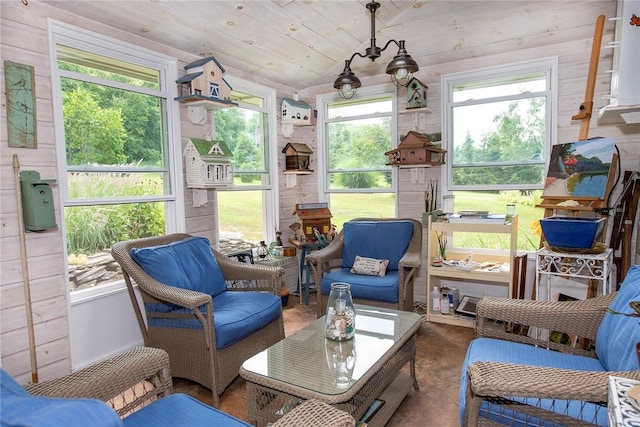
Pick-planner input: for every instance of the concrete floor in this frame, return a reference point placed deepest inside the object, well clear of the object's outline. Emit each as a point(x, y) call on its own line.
point(440, 352)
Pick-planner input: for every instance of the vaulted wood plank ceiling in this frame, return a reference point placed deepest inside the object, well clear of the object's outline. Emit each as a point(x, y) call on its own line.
point(303, 43)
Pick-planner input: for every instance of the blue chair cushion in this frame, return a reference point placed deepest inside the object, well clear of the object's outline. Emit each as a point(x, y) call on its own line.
point(618, 334)
point(180, 410)
point(238, 314)
point(19, 408)
point(489, 349)
point(372, 288)
point(376, 239)
point(187, 264)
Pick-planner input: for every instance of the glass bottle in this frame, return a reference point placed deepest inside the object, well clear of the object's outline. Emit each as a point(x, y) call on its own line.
point(262, 250)
point(340, 320)
point(511, 211)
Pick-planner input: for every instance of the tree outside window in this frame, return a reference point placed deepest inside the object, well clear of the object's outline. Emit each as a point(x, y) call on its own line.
point(498, 132)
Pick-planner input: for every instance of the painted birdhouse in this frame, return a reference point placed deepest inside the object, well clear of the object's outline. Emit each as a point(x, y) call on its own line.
point(416, 94)
point(295, 112)
point(314, 215)
point(416, 149)
point(297, 158)
point(204, 85)
point(208, 163)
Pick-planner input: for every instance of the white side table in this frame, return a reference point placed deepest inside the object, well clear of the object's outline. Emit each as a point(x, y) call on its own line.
point(595, 267)
point(621, 412)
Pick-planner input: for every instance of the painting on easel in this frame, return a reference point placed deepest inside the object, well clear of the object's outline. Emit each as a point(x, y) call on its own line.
point(580, 169)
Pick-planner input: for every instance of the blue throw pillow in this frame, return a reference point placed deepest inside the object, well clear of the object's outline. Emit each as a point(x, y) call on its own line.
point(187, 264)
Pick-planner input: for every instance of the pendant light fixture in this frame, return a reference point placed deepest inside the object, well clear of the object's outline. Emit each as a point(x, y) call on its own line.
point(401, 67)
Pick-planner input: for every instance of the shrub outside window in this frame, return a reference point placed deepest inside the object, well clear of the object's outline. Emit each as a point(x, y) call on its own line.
point(114, 116)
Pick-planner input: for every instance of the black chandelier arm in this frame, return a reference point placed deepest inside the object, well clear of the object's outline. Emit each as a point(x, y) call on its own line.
point(375, 49)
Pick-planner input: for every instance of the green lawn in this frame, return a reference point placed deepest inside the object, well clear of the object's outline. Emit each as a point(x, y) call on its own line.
point(241, 211)
point(525, 208)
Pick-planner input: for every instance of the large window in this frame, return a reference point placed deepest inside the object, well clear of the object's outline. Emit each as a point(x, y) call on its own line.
point(355, 134)
point(246, 211)
point(113, 113)
point(498, 127)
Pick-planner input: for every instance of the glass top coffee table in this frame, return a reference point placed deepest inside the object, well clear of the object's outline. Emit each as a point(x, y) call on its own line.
point(350, 375)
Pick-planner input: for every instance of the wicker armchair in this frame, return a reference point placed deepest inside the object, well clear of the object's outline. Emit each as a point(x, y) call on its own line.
point(333, 263)
point(137, 386)
point(194, 351)
point(511, 371)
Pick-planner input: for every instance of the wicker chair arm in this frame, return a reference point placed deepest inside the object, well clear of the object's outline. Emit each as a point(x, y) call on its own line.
point(270, 277)
point(170, 294)
point(507, 379)
point(331, 252)
point(111, 378)
point(581, 318)
point(313, 413)
point(410, 260)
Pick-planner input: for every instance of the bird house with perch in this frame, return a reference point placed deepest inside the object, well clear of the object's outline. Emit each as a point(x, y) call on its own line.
point(416, 94)
point(204, 85)
point(295, 112)
point(208, 163)
point(314, 215)
point(297, 158)
point(416, 149)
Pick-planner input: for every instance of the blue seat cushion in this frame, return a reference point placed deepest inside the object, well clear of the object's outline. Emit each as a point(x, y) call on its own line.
point(617, 335)
point(489, 349)
point(180, 410)
point(19, 408)
point(237, 314)
point(376, 239)
point(372, 288)
point(187, 264)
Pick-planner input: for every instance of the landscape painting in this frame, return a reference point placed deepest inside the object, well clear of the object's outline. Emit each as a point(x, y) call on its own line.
point(580, 169)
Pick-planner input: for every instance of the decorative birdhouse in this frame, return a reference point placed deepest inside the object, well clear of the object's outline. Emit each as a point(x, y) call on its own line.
point(416, 94)
point(314, 215)
point(208, 163)
point(416, 149)
point(204, 85)
point(297, 158)
point(295, 112)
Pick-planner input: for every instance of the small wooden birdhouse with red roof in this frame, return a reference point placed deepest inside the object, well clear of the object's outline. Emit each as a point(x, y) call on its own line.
point(314, 215)
point(416, 149)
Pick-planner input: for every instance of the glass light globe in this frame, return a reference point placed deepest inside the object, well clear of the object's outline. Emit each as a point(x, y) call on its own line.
point(346, 88)
point(401, 73)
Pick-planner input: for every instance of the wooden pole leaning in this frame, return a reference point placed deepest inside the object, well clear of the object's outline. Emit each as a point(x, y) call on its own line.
point(25, 271)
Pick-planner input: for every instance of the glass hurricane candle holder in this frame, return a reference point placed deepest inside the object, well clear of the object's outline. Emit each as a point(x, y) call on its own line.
point(340, 320)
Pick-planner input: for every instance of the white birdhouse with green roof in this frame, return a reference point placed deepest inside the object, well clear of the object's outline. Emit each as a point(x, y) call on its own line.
point(209, 163)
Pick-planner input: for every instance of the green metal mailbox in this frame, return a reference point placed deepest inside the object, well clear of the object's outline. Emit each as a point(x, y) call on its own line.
point(37, 202)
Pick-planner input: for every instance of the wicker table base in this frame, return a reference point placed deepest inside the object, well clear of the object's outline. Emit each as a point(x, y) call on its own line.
point(269, 398)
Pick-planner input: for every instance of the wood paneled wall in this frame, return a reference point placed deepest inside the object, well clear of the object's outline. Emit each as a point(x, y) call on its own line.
point(24, 39)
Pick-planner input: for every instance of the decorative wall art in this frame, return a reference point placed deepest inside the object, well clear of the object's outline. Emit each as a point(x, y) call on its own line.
point(580, 169)
point(21, 104)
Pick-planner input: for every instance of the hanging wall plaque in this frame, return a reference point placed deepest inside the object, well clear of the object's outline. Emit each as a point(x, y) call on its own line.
point(21, 104)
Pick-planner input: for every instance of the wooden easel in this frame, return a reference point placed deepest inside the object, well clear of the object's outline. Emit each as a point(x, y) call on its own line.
point(550, 203)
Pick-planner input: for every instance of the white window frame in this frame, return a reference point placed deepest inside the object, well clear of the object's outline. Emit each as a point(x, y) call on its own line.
point(448, 81)
point(322, 103)
point(61, 33)
point(270, 192)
